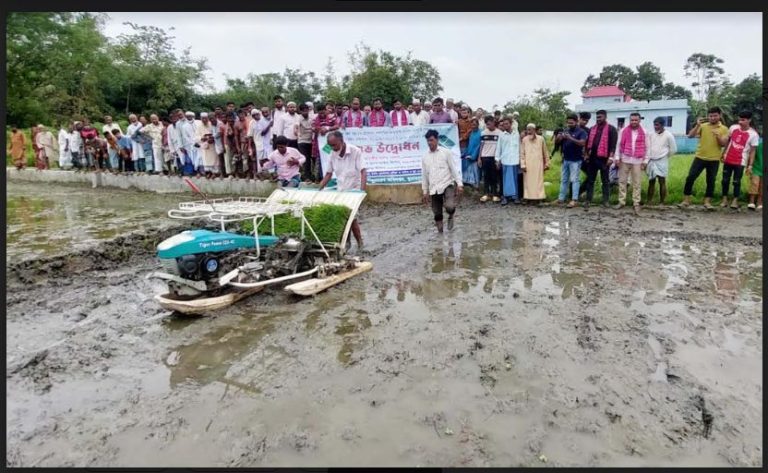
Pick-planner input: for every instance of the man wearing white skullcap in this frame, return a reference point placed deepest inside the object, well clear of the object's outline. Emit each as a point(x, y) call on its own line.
point(515, 124)
point(288, 125)
point(534, 160)
point(419, 117)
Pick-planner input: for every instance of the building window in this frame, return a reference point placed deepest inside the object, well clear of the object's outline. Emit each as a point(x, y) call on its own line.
point(669, 121)
point(620, 122)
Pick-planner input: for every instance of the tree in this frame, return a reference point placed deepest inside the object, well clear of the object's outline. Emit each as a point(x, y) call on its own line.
point(55, 67)
point(646, 82)
point(748, 96)
point(385, 75)
point(615, 74)
point(545, 108)
point(142, 58)
point(705, 71)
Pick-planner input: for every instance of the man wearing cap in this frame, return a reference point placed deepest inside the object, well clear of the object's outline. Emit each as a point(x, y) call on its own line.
point(154, 130)
point(516, 122)
point(255, 142)
point(449, 107)
point(419, 117)
point(47, 148)
point(287, 125)
point(137, 152)
point(206, 145)
point(188, 151)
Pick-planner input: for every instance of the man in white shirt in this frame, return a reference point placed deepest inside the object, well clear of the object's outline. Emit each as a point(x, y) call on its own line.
point(346, 161)
point(440, 180)
point(187, 151)
point(277, 115)
point(661, 145)
point(137, 150)
point(155, 131)
point(65, 156)
point(418, 116)
point(287, 125)
point(109, 125)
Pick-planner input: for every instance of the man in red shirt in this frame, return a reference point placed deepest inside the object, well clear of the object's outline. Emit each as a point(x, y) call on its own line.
point(740, 150)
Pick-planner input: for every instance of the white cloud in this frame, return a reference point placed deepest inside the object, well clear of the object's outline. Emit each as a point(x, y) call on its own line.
point(484, 58)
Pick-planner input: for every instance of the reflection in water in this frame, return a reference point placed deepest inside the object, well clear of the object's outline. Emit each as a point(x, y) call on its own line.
point(44, 220)
point(350, 328)
point(209, 358)
point(736, 273)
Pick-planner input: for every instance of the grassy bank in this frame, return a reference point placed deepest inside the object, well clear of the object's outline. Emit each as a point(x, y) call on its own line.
point(679, 165)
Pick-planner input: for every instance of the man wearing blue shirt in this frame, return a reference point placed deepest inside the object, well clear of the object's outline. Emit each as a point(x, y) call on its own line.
point(572, 140)
point(124, 150)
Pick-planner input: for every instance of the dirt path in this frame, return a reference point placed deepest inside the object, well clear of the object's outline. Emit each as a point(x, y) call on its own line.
point(524, 336)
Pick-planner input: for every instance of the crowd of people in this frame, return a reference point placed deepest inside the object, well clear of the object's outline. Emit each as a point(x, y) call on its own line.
point(227, 142)
point(504, 163)
point(512, 165)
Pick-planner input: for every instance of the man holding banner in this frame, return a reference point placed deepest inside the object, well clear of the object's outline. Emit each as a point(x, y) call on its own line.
point(440, 180)
point(346, 162)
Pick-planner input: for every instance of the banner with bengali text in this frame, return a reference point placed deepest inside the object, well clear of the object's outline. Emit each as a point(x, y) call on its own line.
point(392, 155)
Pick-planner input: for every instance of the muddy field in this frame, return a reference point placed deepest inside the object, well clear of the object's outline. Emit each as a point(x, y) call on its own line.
point(524, 337)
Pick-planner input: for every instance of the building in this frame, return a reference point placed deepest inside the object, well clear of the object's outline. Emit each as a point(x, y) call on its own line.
point(618, 105)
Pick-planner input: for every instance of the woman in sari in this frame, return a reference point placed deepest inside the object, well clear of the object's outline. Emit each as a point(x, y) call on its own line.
point(469, 155)
point(17, 143)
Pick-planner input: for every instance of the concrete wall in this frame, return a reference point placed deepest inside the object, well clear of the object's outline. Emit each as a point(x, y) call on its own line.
point(399, 194)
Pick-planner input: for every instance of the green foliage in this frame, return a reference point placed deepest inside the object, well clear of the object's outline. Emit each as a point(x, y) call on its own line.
point(62, 67)
point(545, 108)
point(645, 82)
point(706, 72)
point(327, 220)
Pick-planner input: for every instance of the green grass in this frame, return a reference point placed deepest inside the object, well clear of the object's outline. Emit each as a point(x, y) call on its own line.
point(679, 165)
point(327, 220)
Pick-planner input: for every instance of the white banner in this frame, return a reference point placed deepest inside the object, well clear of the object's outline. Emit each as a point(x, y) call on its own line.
point(393, 155)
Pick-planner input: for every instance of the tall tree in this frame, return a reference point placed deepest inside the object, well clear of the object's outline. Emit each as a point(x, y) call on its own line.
point(143, 57)
point(615, 74)
point(705, 71)
point(55, 66)
point(383, 74)
point(645, 82)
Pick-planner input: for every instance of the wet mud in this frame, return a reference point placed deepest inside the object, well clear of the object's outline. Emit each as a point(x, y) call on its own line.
point(524, 337)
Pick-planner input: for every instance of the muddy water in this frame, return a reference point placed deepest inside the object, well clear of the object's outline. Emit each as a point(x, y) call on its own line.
point(54, 219)
point(523, 337)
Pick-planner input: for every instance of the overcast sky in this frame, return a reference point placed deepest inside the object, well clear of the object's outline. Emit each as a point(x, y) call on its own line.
point(483, 58)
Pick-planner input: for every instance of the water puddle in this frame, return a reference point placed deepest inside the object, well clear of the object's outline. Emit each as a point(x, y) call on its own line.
point(212, 356)
point(43, 221)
